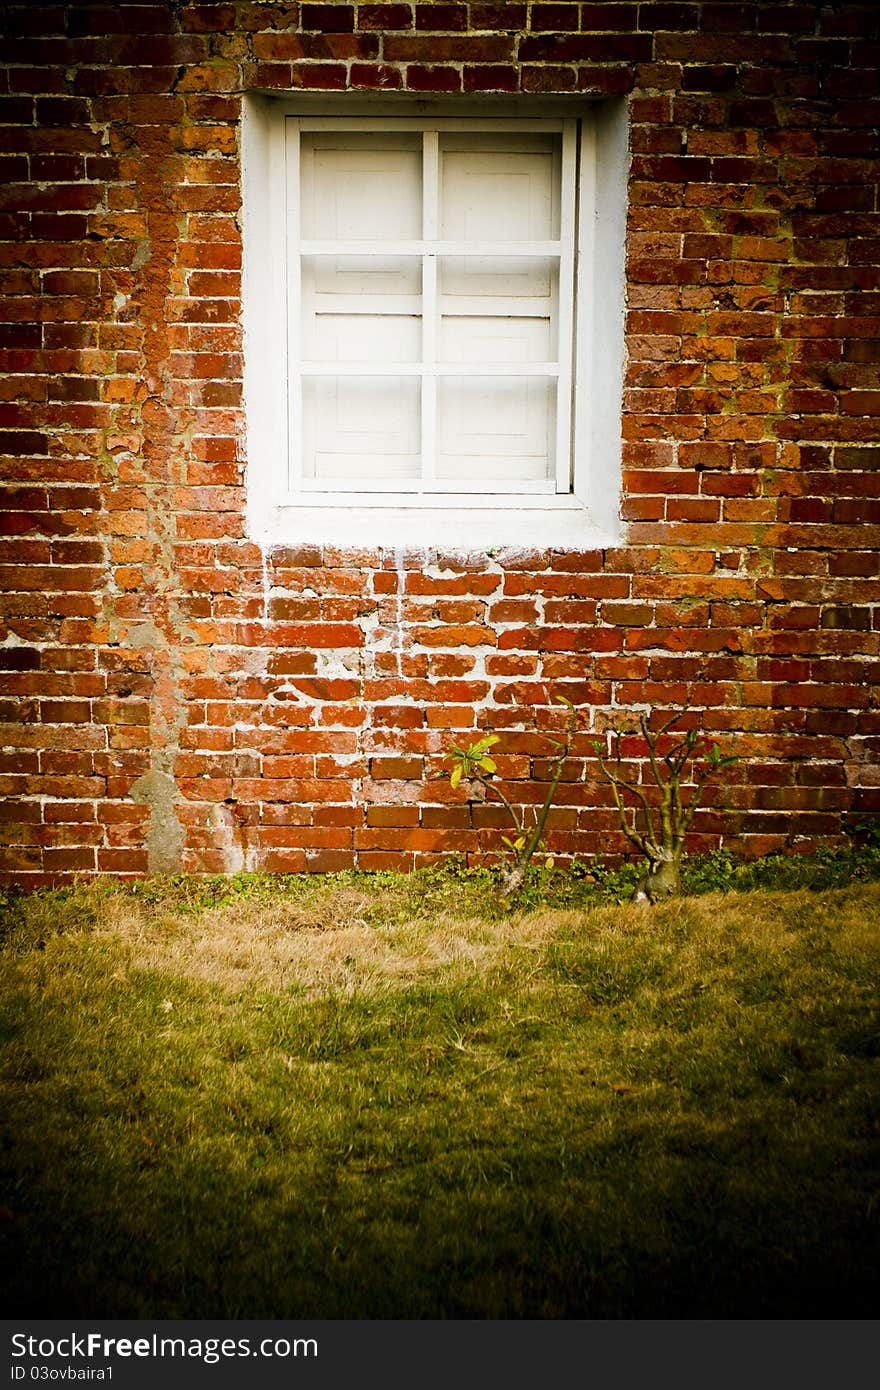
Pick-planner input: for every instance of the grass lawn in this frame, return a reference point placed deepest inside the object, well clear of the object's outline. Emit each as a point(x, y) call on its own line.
point(377, 1097)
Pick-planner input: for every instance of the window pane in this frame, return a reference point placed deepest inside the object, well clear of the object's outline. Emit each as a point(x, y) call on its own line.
point(364, 338)
point(361, 428)
point(496, 428)
point(360, 309)
point(361, 187)
point(363, 276)
point(499, 188)
point(511, 298)
point(524, 278)
point(484, 339)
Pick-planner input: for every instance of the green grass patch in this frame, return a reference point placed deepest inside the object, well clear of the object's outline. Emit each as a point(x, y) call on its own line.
point(383, 1097)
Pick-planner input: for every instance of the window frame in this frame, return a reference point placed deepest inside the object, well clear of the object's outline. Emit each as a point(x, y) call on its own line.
point(585, 515)
point(430, 249)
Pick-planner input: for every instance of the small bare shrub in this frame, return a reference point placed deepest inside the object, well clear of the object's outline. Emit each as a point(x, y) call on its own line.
point(665, 818)
point(475, 766)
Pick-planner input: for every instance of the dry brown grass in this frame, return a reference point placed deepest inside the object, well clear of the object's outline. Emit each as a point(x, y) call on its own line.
point(328, 942)
point(617, 1111)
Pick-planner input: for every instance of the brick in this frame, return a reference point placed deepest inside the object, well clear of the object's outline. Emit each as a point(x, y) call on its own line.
point(594, 48)
point(385, 17)
point(424, 49)
point(548, 78)
point(498, 16)
point(375, 76)
point(490, 78)
point(717, 77)
point(441, 17)
point(392, 815)
point(328, 19)
point(396, 769)
point(320, 76)
point(547, 16)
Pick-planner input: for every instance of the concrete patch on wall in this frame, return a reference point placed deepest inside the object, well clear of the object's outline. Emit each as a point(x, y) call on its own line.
point(165, 835)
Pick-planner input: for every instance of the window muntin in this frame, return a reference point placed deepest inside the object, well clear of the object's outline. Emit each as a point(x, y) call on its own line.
point(430, 306)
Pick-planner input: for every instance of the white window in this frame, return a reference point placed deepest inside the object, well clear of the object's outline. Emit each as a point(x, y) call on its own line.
point(426, 329)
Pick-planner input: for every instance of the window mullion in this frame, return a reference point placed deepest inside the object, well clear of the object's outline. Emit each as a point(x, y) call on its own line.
point(430, 232)
point(429, 376)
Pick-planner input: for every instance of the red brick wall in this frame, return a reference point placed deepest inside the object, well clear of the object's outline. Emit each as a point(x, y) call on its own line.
point(173, 697)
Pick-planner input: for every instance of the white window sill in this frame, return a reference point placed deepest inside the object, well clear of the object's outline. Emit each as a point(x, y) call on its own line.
point(564, 525)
